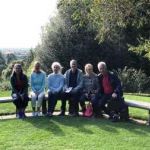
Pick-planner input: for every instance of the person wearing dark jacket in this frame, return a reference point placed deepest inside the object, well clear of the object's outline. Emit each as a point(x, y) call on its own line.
point(111, 94)
point(19, 84)
point(72, 89)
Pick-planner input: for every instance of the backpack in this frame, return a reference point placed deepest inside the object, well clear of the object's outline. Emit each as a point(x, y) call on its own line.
point(119, 107)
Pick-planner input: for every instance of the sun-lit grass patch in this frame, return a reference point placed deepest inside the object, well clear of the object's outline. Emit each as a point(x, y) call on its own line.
point(72, 133)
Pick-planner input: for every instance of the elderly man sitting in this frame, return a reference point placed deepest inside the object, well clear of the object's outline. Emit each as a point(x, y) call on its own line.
point(111, 94)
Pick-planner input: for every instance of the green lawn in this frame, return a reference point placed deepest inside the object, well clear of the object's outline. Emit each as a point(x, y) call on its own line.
point(72, 133)
point(5, 93)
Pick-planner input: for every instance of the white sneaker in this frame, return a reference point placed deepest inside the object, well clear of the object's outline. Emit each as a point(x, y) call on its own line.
point(38, 113)
point(33, 114)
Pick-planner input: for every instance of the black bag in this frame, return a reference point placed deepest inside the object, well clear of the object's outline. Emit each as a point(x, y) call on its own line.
point(119, 107)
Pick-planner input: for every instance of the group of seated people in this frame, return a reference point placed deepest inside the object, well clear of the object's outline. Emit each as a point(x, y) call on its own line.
point(103, 91)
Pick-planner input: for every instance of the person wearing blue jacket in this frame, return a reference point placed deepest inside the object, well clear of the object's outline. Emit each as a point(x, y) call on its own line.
point(37, 81)
point(55, 87)
point(72, 89)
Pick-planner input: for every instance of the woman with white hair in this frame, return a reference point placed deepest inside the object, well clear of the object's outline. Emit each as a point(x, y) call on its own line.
point(55, 87)
point(37, 80)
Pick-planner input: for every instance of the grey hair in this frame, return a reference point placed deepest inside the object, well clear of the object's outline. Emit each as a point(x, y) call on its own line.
point(102, 64)
point(73, 61)
point(56, 64)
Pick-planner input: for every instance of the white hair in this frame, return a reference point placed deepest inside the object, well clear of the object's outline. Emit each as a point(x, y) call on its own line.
point(102, 64)
point(56, 64)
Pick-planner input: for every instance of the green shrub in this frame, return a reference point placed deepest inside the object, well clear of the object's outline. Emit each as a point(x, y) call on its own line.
point(134, 80)
point(5, 86)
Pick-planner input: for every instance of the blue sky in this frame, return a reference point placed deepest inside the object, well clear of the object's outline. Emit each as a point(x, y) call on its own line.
point(21, 21)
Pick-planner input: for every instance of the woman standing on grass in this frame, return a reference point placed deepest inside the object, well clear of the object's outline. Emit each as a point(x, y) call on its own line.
point(19, 83)
point(37, 80)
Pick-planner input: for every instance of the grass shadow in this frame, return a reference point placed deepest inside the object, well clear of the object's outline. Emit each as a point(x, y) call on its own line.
point(81, 124)
point(57, 125)
point(47, 124)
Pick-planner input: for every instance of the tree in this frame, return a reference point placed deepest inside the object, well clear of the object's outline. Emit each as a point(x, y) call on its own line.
point(2, 63)
point(10, 57)
point(63, 39)
point(29, 58)
point(92, 31)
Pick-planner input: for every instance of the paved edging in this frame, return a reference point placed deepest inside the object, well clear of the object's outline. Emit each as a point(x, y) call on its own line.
point(9, 117)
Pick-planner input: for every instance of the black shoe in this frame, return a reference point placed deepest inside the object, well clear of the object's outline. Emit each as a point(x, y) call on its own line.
point(49, 114)
point(24, 115)
point(96, 116)
point(73, 114)
point(115, 118)
point(76, 115)
point(70, 114)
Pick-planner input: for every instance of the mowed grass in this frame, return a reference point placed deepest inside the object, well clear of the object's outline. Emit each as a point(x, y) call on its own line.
point(71, 133)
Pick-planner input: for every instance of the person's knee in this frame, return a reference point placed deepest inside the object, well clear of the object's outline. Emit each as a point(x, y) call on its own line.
point(41, 96)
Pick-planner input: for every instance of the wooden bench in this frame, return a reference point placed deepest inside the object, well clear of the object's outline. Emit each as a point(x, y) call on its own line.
point(141, 105)
point(130, 103)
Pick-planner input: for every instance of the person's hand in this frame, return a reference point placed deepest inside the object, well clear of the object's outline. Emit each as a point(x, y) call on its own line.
point(114, 95)
point(94, 91)
point(37, 93)
point(86, 95)
point(92, 95)
point(22, 97)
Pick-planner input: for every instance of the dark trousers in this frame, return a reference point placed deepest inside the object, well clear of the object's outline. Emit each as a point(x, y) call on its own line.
point(44, 107)
point(19, 102)
point(52, 101)
point(113, 105)
point(74, 99)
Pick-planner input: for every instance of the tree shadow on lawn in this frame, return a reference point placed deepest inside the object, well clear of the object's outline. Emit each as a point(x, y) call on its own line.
point(47, 124)
point(53, 124)
point(85, 125)
point(81, 124)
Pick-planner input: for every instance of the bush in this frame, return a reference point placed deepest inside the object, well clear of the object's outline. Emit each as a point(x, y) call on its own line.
point(134, 80)
point(5, 86)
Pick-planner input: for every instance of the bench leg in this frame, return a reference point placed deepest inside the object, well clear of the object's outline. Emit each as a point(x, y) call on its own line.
point(149, 117)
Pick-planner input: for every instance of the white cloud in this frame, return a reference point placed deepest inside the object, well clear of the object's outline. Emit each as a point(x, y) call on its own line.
point(21, 21)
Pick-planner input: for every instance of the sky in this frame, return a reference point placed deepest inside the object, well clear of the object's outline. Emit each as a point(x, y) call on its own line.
point(21, 21)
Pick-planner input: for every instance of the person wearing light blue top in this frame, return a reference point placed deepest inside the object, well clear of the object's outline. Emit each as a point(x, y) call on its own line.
point(37, 81)
point(55, 87)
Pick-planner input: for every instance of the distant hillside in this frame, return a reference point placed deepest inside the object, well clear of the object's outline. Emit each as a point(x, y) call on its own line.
point(20, 53)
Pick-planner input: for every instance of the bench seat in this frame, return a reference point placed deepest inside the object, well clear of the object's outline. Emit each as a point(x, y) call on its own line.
point(130, 103)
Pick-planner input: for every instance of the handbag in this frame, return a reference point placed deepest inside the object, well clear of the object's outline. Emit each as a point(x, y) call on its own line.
point(89, 110)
